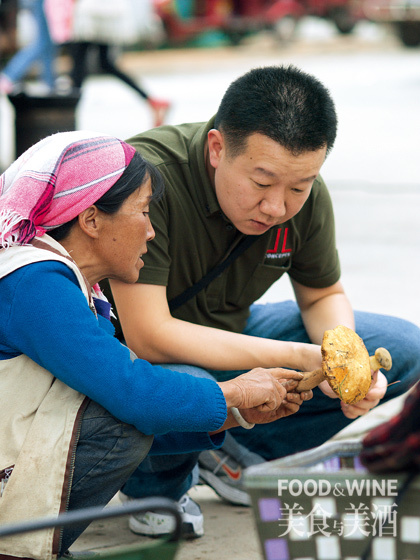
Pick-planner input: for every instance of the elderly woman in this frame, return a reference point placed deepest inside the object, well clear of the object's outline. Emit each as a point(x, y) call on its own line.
point(77, 414)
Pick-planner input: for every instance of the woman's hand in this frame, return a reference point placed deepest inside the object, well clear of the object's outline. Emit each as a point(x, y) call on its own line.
point(264, 395)
point(290, 405)
point(259, 388)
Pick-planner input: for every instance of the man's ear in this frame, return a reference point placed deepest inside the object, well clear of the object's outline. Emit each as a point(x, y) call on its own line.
point(216, 145)
point(90, 221)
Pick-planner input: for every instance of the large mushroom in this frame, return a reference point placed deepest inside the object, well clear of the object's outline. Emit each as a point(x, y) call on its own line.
point(346, 365)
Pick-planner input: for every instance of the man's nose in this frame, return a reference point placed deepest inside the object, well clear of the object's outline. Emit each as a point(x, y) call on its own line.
point(273, 206)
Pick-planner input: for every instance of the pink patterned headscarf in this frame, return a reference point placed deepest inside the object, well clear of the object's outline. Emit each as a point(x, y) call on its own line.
point(55, 180)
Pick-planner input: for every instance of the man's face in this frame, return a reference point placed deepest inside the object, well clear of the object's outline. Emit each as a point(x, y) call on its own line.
point(265, 185)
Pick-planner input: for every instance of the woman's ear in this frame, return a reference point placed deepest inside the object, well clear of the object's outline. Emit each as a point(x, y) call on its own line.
point(90, 221)
point(215, 142)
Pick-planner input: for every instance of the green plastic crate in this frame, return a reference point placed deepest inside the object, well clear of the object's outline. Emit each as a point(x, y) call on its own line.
point(155, 550)
point(322, 504)
point(159, 549)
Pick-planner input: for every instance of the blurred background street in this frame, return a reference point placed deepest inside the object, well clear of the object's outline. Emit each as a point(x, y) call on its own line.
point(373, 174)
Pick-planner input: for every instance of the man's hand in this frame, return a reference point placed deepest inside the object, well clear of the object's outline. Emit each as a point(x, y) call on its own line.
point(374, 395)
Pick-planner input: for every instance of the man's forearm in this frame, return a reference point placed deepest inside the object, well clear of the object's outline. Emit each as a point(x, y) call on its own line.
point(176, 341)
point(155, 335)
point(326, 314)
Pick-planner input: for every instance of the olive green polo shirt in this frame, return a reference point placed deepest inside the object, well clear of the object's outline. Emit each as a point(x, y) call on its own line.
point(193, 235)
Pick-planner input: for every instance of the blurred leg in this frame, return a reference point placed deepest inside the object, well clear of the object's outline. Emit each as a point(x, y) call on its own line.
point(108, 66)
point(78, 53)
point(48, 49)
point(42, 50)
point(159, 107)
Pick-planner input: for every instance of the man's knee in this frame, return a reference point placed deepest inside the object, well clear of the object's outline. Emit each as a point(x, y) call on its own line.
point(402, 339)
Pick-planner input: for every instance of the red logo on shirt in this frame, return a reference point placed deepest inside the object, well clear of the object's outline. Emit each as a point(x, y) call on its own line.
point(283, 239)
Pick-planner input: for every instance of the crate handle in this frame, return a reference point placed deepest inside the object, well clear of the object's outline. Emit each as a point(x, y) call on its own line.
point(87, 515)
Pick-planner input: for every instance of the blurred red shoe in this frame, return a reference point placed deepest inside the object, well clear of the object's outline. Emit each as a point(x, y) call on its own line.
point(159, 108)
point(6, 85)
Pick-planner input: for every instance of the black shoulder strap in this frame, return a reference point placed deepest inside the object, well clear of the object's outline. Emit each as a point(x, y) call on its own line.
point(212, 274)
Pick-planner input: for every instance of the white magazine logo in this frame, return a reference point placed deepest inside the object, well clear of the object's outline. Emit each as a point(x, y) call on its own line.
point(322, 487)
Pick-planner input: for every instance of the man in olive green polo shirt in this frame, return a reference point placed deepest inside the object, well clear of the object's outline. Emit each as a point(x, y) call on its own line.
point(250, 173)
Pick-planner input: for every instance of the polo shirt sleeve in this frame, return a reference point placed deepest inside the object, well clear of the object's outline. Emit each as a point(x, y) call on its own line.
point(316, 262)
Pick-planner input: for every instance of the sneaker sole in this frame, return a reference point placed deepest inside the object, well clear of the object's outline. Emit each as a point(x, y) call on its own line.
point(192, 528)
point(147, 530)
point(227, 492)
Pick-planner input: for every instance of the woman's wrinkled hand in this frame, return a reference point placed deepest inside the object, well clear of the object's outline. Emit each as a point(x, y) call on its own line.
point(290, 405)
point(259, 388)
point(264, 395)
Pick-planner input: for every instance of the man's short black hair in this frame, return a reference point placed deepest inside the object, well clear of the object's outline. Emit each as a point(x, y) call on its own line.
point(282, 102)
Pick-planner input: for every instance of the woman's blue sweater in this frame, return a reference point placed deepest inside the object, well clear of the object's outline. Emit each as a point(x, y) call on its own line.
point(44, 315)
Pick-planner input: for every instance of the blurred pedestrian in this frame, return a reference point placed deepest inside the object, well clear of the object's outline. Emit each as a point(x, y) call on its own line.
point(80, 51)
point(101, 25)
point(42, 49)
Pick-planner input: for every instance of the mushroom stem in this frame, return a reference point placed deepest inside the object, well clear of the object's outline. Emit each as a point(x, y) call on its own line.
point(310, 380)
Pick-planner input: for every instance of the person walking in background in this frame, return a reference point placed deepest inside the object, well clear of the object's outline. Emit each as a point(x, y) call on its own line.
point(80, 51)
point(102, 25)
point(42, 50)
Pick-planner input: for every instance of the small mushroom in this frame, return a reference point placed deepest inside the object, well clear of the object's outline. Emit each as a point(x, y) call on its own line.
point(346, 365)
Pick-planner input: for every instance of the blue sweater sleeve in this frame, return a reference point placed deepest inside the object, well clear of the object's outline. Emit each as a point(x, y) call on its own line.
point(44, 314)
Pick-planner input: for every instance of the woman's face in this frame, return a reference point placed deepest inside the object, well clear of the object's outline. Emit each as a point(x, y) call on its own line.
point(124, 235)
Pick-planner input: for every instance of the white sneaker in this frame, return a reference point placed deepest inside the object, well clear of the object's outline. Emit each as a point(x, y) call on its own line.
point(153, 524)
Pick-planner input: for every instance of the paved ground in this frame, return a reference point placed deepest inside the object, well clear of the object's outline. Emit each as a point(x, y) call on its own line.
point(373, 174)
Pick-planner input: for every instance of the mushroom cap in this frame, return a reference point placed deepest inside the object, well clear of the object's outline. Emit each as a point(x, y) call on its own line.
point(345, 363)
